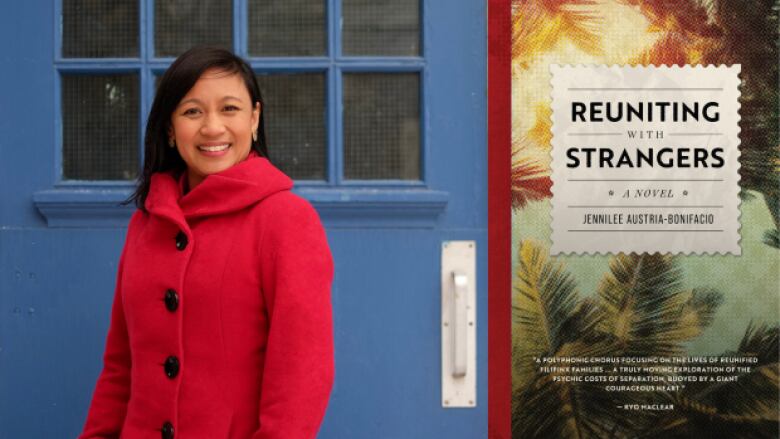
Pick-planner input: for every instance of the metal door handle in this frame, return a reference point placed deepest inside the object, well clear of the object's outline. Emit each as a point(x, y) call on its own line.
point(459, 324)
point(458, 292)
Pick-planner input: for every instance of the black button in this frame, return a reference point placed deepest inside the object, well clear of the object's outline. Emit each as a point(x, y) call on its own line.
point(171, 366)
point(181, 241)
point(167, 431)
point(171, 300)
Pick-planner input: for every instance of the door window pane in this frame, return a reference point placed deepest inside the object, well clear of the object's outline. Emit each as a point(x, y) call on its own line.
point(100, 127)
point(382, 126)
point(286, 27)
point(181, 24)
point(381, 27)
point(100, 29)
point(294, 115)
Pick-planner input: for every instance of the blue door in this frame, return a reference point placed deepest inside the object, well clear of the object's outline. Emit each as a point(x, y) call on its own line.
point(377, 109)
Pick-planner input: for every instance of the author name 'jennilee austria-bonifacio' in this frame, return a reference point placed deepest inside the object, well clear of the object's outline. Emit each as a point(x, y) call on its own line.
point(648, 218)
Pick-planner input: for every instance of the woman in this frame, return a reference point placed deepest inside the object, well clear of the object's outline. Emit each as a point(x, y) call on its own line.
point(221, 323)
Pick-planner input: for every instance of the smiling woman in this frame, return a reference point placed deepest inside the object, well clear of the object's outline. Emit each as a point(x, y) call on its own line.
point(212, 126)
point(221, 325)
point(207, 97)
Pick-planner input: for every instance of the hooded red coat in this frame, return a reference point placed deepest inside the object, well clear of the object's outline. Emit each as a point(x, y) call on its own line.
point(221, 324)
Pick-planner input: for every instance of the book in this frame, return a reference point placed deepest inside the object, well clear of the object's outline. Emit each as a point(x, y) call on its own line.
point(645, 270)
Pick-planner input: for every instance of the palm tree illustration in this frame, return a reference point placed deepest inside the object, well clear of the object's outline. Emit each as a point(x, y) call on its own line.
point(640, 310)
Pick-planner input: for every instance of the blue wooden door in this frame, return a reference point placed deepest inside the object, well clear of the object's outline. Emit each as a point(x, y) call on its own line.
point(61, 232)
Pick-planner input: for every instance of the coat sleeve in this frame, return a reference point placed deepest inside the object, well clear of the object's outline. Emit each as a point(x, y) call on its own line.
point(112, 391)
point(298, 371)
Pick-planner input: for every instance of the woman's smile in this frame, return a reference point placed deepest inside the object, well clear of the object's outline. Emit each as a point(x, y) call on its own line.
point(212, 149)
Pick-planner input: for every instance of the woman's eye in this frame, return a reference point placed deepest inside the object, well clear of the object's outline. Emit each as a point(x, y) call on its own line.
point(231, 108)
point(190, 111)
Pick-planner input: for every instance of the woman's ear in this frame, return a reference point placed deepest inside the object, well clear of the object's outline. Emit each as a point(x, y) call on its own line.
point(256, 116)
point(171, 137)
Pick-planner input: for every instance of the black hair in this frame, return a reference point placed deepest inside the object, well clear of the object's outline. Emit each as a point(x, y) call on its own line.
point(180, 77)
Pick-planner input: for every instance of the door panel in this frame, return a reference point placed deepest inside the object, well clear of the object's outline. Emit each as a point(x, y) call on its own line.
point(56, 284)
point(388, 352)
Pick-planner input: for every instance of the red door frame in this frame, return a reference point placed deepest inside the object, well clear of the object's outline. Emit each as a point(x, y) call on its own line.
point(499, 229)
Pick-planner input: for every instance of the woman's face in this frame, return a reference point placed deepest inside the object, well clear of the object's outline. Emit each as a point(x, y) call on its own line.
point(213, 124)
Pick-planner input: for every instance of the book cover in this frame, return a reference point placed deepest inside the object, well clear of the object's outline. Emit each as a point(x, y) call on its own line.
point(645, 206)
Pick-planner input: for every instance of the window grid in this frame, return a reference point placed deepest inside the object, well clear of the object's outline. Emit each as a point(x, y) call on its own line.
point(334, 65)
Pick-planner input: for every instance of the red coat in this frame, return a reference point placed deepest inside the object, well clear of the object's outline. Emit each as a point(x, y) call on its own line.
point(221, 325)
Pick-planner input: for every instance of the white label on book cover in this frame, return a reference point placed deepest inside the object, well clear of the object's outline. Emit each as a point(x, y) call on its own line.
point(645, 159)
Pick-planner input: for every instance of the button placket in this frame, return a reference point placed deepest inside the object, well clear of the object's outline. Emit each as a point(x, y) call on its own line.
point(171, 365)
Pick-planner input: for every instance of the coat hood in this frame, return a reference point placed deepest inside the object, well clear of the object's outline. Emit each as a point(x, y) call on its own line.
point(235, 188)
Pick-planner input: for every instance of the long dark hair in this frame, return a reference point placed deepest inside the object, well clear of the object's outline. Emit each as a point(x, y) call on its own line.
point(180, 77)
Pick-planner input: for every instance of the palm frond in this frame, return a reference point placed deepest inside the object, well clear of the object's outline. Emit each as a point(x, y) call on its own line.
point(530, 182)
point(533, 33)
point(772, 238)
point(753, 396)
point(745, 408)
point(761, 342)
point(530, 172)
point(541, 132)
point(680, 16)
point(696, 314)
point(544, 298)
point(538, 25)
point(549, 321)
point(670, 49)
point(553, 409)
point(646, 313)
point(580, 24)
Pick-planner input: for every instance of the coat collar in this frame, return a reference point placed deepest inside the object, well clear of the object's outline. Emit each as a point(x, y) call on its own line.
point(227, 191)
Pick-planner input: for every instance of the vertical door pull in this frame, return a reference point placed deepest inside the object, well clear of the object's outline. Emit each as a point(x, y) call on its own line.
point(459, 324)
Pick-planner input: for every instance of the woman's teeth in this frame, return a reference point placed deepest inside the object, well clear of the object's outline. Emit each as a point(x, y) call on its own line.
point(214, 148)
